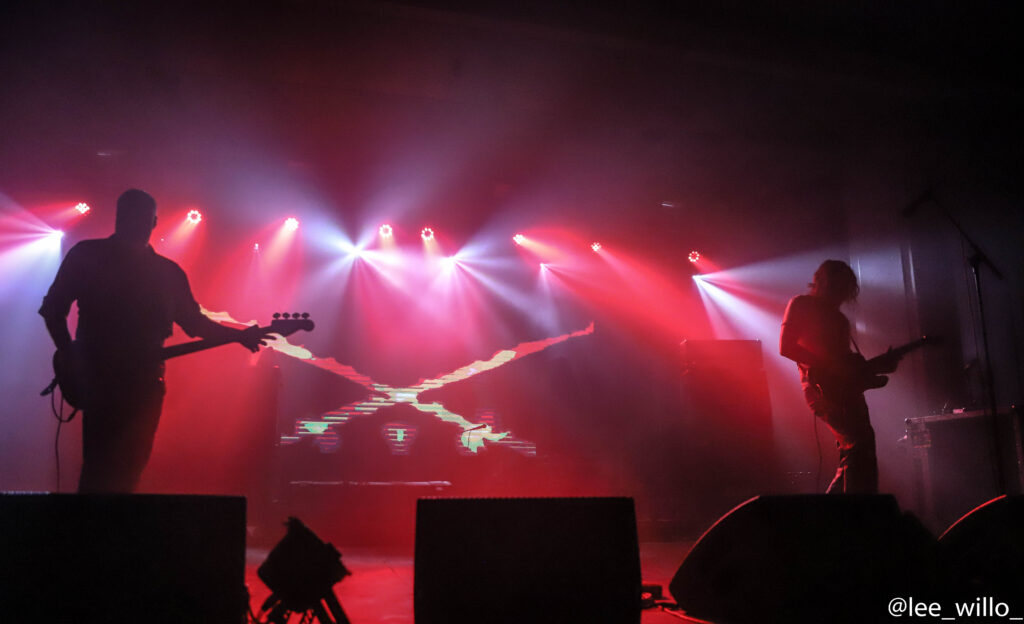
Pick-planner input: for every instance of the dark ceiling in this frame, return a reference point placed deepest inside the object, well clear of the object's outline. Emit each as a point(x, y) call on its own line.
point(634, 103)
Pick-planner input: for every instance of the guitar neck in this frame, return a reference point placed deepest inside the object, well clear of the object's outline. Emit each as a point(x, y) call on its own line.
point(282, 327)
point(900, 351)
point(195, 346)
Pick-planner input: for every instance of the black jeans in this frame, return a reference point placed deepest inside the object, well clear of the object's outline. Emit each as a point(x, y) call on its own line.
point(847, 417)
point(118, 428)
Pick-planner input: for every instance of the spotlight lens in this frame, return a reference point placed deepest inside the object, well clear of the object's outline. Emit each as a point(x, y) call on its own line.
point(256, 247)
point(194, 217)
point(82, 207)
point(386, 231)
point(291, 224)
point(519, 238)
point(427, 234)
point(694, 256)
point(595, 246)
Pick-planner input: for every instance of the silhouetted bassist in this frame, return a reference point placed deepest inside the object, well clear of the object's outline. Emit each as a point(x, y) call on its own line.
point(128, 297)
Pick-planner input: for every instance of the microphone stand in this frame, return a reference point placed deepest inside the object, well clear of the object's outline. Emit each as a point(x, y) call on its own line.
point(978, 258)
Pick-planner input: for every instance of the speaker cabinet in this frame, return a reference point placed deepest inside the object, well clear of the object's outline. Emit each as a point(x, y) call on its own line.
point(728, 406)
point(122, 558)
point(984, 552)
point(538, 560)
point(808, 558)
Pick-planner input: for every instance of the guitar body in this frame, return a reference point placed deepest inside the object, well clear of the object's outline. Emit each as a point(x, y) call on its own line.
point(68, 375)
point(856, 376)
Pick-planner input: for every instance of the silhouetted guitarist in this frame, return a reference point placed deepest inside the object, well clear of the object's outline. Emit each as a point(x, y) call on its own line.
point(816, 335)
point(128, 296)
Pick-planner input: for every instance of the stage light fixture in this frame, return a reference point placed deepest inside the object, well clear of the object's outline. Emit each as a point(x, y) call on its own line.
point(82, 207)
point(301, 572)
point(427, 234)
point(595, 246)
point(694, 256)
point(194, 217)
point(256, 247)
point(519, 239)
point(386, 231)
point(291, 224)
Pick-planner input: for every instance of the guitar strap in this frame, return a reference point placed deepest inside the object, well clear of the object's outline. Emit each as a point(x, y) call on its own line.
point(856, 348)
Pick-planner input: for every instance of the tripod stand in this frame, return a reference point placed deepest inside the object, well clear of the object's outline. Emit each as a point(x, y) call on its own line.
point(301, 572)
point(326, 610)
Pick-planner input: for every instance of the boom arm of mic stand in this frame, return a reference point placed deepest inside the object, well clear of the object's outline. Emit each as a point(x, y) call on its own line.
point(978, 256)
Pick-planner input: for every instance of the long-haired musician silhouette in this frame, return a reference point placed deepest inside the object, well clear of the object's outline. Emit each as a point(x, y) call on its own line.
point(816, 335)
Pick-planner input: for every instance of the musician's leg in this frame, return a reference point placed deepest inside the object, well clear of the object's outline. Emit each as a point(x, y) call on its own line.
point(857, 451)
point(857, 472)
point(858, 464)
point(117, 438)
point(838, 484)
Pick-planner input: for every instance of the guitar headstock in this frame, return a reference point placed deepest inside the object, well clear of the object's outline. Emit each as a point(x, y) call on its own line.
point(287, 324)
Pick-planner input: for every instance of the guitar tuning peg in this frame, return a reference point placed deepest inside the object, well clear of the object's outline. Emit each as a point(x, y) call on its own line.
point(305, 315)
point(277, 315)
point(296, 315)
point(286, 315)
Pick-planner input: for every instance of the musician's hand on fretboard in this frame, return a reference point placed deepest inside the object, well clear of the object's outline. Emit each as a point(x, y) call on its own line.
point(254, 337)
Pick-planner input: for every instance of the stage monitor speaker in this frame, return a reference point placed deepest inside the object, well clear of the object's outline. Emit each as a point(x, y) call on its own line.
point(537, 560)
point(122, 558)
point(811, 558)
point(984, 552)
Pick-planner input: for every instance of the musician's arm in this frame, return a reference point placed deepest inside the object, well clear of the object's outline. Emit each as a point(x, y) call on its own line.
point(59, 332)
point(57, 302)
point(794, 325)
point(791, 349)
point(196, 324)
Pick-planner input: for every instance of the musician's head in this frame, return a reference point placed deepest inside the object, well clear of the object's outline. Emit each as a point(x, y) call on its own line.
point(136, 216)
point(835, 281)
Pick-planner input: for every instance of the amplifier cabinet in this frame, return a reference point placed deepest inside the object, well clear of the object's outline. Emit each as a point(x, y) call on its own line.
point(956, 460)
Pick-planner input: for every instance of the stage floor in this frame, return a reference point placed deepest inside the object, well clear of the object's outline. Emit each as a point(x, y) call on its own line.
point(380, 588)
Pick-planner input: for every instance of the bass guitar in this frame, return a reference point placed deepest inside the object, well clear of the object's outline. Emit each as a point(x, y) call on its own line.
point(67, 367)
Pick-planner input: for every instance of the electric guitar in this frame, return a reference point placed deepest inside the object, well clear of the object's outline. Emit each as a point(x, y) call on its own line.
point(67, 367)
point(859, 374)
